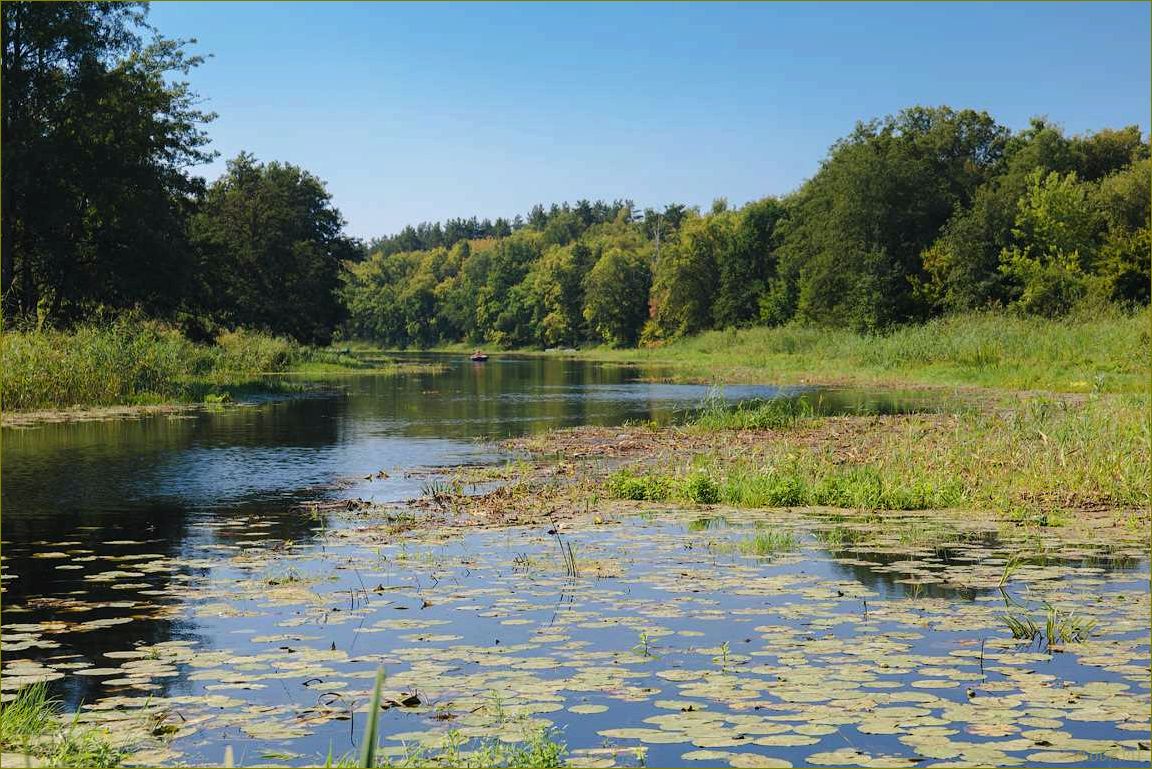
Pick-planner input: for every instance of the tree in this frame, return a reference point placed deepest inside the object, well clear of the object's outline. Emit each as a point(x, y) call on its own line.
point(1052, 257)
point(878, 201)
point(1125, 256)
point(745, 262)
point(556, 295)
point(369, 296)
point(563, 228)
point(962, 268)
point(96, 143)
point(615, 293)
point(687, 276)
point(931, 210)
point(274, 246)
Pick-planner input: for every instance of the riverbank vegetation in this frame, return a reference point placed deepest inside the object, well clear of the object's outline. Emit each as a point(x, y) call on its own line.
point(148, 362)
point(932, 215)
point(108, 218)
point(33, 733)
point(1103, 351)
point(1040, 462)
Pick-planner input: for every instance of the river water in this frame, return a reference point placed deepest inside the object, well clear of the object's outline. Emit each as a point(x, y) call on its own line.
point(170, 559)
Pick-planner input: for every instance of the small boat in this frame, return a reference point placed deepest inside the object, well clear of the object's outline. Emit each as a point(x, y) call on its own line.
point(479, 357)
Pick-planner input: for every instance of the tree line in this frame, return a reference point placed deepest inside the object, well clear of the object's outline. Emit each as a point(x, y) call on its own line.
point(929, 211)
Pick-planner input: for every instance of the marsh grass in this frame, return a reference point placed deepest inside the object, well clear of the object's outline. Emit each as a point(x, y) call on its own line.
point(132, 362)
point(624, 484)
point(568, 556)
point(31, 724)
point(1037, 461)
point(767, 542)
point(1052, 628)
point(1105, 350)
point(1066, 627)
point(774, 414)
point(787, 486)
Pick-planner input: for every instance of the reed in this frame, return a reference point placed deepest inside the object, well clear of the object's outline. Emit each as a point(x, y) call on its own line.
point(129, 362)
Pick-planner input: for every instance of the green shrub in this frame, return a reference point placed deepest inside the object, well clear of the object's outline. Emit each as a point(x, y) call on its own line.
point(625, 485)
point(701, 489)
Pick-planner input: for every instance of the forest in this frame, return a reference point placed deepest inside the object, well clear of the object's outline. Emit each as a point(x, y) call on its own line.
point(929, 212)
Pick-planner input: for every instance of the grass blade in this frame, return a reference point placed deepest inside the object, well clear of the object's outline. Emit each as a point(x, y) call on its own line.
point(368, 752)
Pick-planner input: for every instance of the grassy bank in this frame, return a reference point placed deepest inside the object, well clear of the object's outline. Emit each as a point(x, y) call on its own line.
point(1106, 351)
point(1041, 462)
point(148, 363)
point(1038, 461)
point(32, 730)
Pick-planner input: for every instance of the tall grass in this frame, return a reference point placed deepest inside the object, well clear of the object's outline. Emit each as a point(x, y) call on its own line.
point(131, 362)
point(31, 724)
point(30, 715)
point(1029, 463)
point(859, 487)
point(773, 414)
point(1106, 350)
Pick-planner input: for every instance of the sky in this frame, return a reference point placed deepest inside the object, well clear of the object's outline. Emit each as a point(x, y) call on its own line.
point(416, 112)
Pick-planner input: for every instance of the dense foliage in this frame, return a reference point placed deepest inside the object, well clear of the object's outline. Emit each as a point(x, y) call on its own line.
point(95, 139)
point(271, 249)
point(923, 213)
point(100, 213)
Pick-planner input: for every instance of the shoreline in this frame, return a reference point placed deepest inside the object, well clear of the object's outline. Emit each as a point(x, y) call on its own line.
point(31, 418)
point(303, 375)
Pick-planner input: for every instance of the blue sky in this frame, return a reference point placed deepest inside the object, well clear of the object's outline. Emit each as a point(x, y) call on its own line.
point(420, 112)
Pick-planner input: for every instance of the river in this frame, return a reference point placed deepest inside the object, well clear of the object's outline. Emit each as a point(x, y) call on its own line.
point(172, 560)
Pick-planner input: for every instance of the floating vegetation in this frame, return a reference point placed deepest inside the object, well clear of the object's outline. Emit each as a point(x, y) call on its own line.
point(538, 749)
point(889, 637)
